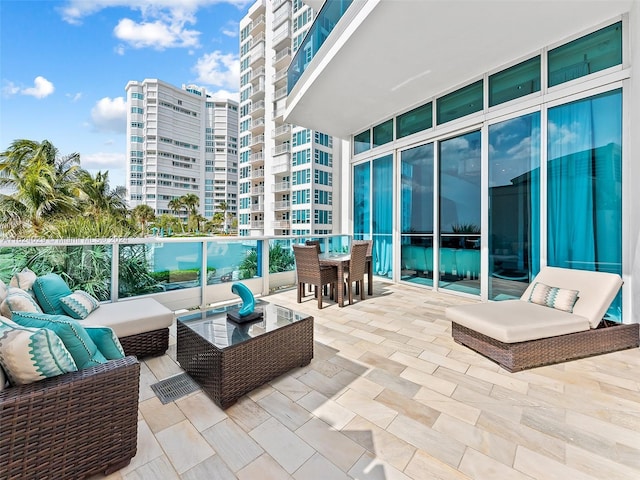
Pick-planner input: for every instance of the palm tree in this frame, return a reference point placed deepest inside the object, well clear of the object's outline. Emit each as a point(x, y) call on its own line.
point(97, 196)
point(43, 185)
point(143, 214)
point(176, 205)
point(191, 202)
point(224, 207)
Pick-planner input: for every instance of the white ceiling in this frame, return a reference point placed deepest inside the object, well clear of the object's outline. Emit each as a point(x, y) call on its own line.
point(406, 51)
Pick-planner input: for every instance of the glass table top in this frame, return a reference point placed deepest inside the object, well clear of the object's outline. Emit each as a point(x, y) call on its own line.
point(212, 324)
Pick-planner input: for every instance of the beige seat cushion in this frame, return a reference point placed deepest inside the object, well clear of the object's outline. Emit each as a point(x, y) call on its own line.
point(131, 317)
point(514, 321)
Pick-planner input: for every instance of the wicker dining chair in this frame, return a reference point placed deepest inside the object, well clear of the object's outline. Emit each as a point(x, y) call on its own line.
point(316, 243)
point(309, 271)
point(357, 269)
point(369, 263)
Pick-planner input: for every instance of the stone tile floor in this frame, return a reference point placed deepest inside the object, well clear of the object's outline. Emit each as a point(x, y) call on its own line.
point(389, 395)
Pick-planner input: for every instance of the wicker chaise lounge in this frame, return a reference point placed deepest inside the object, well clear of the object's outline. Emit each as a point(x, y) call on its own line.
point(520, 334)
point(71, 426)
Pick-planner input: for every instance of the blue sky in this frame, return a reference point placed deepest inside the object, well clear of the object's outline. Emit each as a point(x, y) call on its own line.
point(64, 66)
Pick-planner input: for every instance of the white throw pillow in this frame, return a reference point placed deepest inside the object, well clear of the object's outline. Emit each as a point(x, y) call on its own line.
point(17, 300)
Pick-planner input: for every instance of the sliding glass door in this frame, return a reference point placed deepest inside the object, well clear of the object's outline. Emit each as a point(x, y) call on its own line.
point(514, 205)
point(459, 207)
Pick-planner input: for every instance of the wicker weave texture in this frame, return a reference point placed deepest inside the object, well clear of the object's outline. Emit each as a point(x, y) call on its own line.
point(357, 268)
point(229, 373)
point(546, 351)
point(146, 344)
point(308, 270)
point(71, 426)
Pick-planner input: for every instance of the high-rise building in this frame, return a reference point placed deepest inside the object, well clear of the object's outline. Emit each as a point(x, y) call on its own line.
point(287, 174)
point(181, 141)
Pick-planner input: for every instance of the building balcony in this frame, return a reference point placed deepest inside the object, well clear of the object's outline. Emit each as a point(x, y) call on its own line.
point(257, 109)
point(282, 165)
point(257, 190)
point(258, 25)
point(281, 187)
point(282, 205)
point(280, 93)
point(257, 58)
point(259, 173)
point(256, 39)
point(435, 382)
point(257, 126)
point(257, 158)
point(280, 149)
point(280, 77)
point(281, 224)
point(281, 133)
point(282, 58)
point(257, 207)
point(258, 140)
point(256, 224)
point(257, 74)
point(258, 92)
point(278, 115)
point(282, 37)
point(281, 16)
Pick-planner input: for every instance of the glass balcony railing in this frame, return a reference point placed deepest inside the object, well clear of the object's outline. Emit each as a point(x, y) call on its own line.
point(328, 17)
point(180, 272)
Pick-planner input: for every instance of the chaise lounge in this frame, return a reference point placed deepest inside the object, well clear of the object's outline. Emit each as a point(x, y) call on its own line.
point(558, 318)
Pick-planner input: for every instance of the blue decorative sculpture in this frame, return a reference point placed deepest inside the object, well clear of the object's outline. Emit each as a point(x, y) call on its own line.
point(247, 312)
point(248, 301)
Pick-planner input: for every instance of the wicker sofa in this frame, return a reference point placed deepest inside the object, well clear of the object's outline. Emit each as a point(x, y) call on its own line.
point(520, 334)
point(71, 426)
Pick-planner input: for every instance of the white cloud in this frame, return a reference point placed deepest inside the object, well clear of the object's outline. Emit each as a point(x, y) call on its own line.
point(163, 23)
point(110, 115)
point(103, 160)
point(219, 70)
point(231, 29)
point(74, 96)
point(41, 88)
point(157, 34)
point(225, 94)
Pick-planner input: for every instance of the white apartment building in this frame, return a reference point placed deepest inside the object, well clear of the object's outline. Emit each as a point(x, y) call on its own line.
point(181, 141)
point(288, 176)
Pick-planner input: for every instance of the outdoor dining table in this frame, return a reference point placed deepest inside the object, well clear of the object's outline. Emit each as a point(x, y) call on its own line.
point(341, 262)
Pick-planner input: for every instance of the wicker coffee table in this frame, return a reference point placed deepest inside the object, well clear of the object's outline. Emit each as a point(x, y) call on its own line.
point(229, 360)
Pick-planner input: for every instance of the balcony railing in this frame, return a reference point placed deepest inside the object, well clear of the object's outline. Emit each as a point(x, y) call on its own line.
point(258, 173)
point(326, 20)
point(281, 131)
point(281, 186)
point(282, 205)
point(257, 157)
point(281, 224)
point(179, 272)
point(280, 93)
point(280, 149)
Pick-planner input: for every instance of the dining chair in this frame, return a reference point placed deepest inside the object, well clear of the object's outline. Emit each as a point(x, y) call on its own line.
point(369, 263)
point(309, 271)
point(357, 269)
point(316, 243)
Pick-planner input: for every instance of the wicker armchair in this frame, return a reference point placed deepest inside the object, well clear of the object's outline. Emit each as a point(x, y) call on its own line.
point(357, 269)
point(369, 264)
point(315, 243)
point(309, 271)
point(71, 426)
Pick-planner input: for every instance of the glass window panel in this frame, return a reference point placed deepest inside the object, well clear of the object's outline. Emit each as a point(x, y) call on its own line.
point(383, 133)
point(382, 215)
point(415, 120)
point(459, 208)
point(584, 186)
point(515, 82)
point(591, 53)
point(514, 205)
point(362, 142)
point(416, 212)
point(361, 200)
point(462, 102)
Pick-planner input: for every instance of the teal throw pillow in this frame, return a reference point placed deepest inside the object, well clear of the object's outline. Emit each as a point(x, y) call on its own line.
point(31, 354)
point(83, 350)
point(107, 342)
point(79, 304)
point(49, 289)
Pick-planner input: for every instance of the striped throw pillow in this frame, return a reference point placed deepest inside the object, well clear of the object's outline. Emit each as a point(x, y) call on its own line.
point(18, 300)
point(554, 297)
point(31, 354)
point(79, 304)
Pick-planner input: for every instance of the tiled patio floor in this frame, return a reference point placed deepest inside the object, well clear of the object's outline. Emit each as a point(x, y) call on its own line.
point(389, 395)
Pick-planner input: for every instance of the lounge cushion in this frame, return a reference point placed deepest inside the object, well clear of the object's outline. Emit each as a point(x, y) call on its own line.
point(24, 280)
point(132, 317)
point(83, 350)
point(106, 341)
point(18, 300)
point(514, 321)
point(79, 304)
point(31, 354)
point(597, 289)
point(49, 289)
